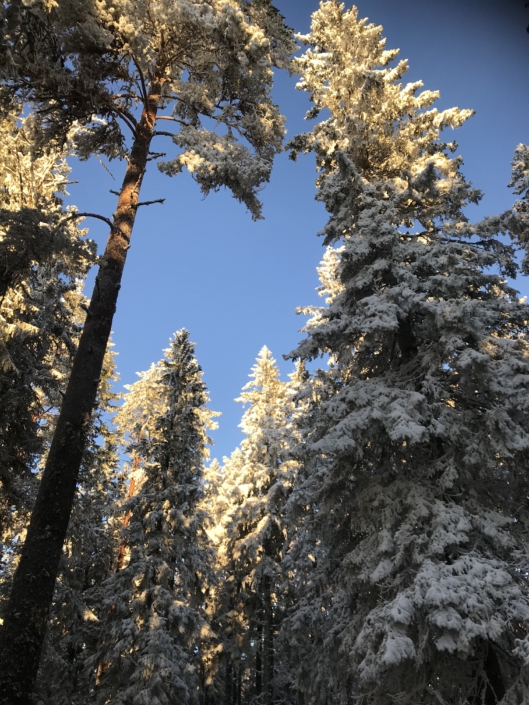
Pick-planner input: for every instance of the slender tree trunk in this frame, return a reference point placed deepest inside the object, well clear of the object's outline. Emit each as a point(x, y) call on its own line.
point(495, 687)
point(490, 686)
point(258, 659)
point(238, 694)
point(228, 683)
point(130, 493)
point(22, 634)
point(267, 642)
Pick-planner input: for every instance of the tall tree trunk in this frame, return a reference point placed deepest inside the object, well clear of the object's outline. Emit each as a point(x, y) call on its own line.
point(22, 634)
point(267, 642)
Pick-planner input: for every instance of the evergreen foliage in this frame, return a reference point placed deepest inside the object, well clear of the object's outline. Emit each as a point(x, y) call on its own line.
point(95, 66)
point(43, 258)
point(256, 481)
point(153, 612)
point(410, 559)
point(92, 64)
point(367, 543)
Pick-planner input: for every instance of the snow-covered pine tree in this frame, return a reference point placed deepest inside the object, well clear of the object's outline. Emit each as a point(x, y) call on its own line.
point(88, 558)
point(43, 258)
point(256, 480)
point(411, 556)
point(153, 608)
point(204, 68)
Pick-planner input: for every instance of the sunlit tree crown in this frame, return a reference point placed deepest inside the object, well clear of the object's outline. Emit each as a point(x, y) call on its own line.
point(209, 63)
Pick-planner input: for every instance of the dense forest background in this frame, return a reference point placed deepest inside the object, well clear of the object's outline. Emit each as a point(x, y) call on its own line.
point(366, 541)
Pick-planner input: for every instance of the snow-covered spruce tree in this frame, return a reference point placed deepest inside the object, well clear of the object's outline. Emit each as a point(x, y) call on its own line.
point(204, 68)
point(88, 558)
point(411, 554)
point(42, 259)
point(153, 608)
point(517, 220)
point(256, 480)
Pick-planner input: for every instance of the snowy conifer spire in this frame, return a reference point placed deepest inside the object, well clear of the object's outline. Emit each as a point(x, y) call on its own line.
point(153, 608)
point(411, 542)
point(257, 479)
point(518, 219)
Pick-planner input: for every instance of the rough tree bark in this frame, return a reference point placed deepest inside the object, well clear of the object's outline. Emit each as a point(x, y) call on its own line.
point(22, 634)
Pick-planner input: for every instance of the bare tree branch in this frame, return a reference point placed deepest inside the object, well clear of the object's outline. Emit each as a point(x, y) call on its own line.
point(74, 216)
point(149, 203)
point(142, 80)
point(159, 132)
point(172, 119)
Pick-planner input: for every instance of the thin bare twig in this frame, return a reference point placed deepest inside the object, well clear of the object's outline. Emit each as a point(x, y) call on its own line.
point(166, 134)
point(128, 119)
point(105, 167)
point(172, 119)
point(149, 203)
point(74, 216)
point(142, 80)
point(156, 155)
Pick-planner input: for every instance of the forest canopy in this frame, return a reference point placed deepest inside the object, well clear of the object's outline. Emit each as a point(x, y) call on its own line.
point(367, 541)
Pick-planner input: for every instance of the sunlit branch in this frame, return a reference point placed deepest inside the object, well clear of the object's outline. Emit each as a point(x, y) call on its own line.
point(150, 203)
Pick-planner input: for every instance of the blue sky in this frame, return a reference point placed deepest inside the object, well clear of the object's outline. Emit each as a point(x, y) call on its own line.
point(203, 264)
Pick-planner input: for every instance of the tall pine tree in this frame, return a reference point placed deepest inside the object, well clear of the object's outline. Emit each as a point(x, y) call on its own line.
point(206, 64)
point(92, 544)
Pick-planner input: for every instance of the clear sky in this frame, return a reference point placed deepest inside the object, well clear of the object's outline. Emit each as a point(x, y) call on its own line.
point(235, 284)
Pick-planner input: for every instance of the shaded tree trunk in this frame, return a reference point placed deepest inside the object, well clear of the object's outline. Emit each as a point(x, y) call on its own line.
point(490, 686)
point(494, 687)
point(22, 634)
point(228, 683)
point(238, 694)
point(258, 660)
point(267, 642)
point(126, 520)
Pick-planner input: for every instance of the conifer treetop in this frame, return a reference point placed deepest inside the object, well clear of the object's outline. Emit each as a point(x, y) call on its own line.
point(385, 132)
